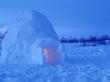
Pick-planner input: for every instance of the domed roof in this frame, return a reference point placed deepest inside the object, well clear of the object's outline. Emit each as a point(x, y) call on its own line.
point(38, 21)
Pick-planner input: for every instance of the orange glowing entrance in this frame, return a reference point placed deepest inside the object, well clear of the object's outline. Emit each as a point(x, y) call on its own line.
point(52, 55)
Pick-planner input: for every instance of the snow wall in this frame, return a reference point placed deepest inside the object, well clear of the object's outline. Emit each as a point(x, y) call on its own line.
point(28, 38)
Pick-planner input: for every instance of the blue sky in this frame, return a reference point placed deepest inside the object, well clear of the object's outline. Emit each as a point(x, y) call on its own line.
point(76, 17)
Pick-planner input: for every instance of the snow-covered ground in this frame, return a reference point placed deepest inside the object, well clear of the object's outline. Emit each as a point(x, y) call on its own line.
point(84, 64)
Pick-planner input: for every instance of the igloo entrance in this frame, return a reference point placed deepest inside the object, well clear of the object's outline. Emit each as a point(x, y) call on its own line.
point(52, 55)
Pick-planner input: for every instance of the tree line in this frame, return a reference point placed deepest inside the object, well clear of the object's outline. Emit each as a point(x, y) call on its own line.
point(91, 39)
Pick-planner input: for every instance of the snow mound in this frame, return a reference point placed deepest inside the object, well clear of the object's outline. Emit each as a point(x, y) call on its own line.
point(26, 38)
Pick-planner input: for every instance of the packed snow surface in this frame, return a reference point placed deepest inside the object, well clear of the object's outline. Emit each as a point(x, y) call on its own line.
point(88, 65)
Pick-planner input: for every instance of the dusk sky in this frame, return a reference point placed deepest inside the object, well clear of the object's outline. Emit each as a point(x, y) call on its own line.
point(76, 17)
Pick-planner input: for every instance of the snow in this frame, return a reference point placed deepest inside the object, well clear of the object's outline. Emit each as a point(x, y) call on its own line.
point(27, 37)
point(80, 71)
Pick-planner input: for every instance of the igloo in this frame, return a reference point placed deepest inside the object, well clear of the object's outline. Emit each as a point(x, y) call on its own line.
point(31, 39)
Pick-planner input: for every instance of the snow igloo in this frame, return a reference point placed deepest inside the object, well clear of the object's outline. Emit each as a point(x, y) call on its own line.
point(31, 39)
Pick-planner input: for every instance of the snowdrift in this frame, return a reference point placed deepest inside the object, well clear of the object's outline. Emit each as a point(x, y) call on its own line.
point(31, 39)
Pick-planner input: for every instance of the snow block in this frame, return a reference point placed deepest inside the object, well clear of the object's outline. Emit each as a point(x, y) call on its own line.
point(31, 39)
